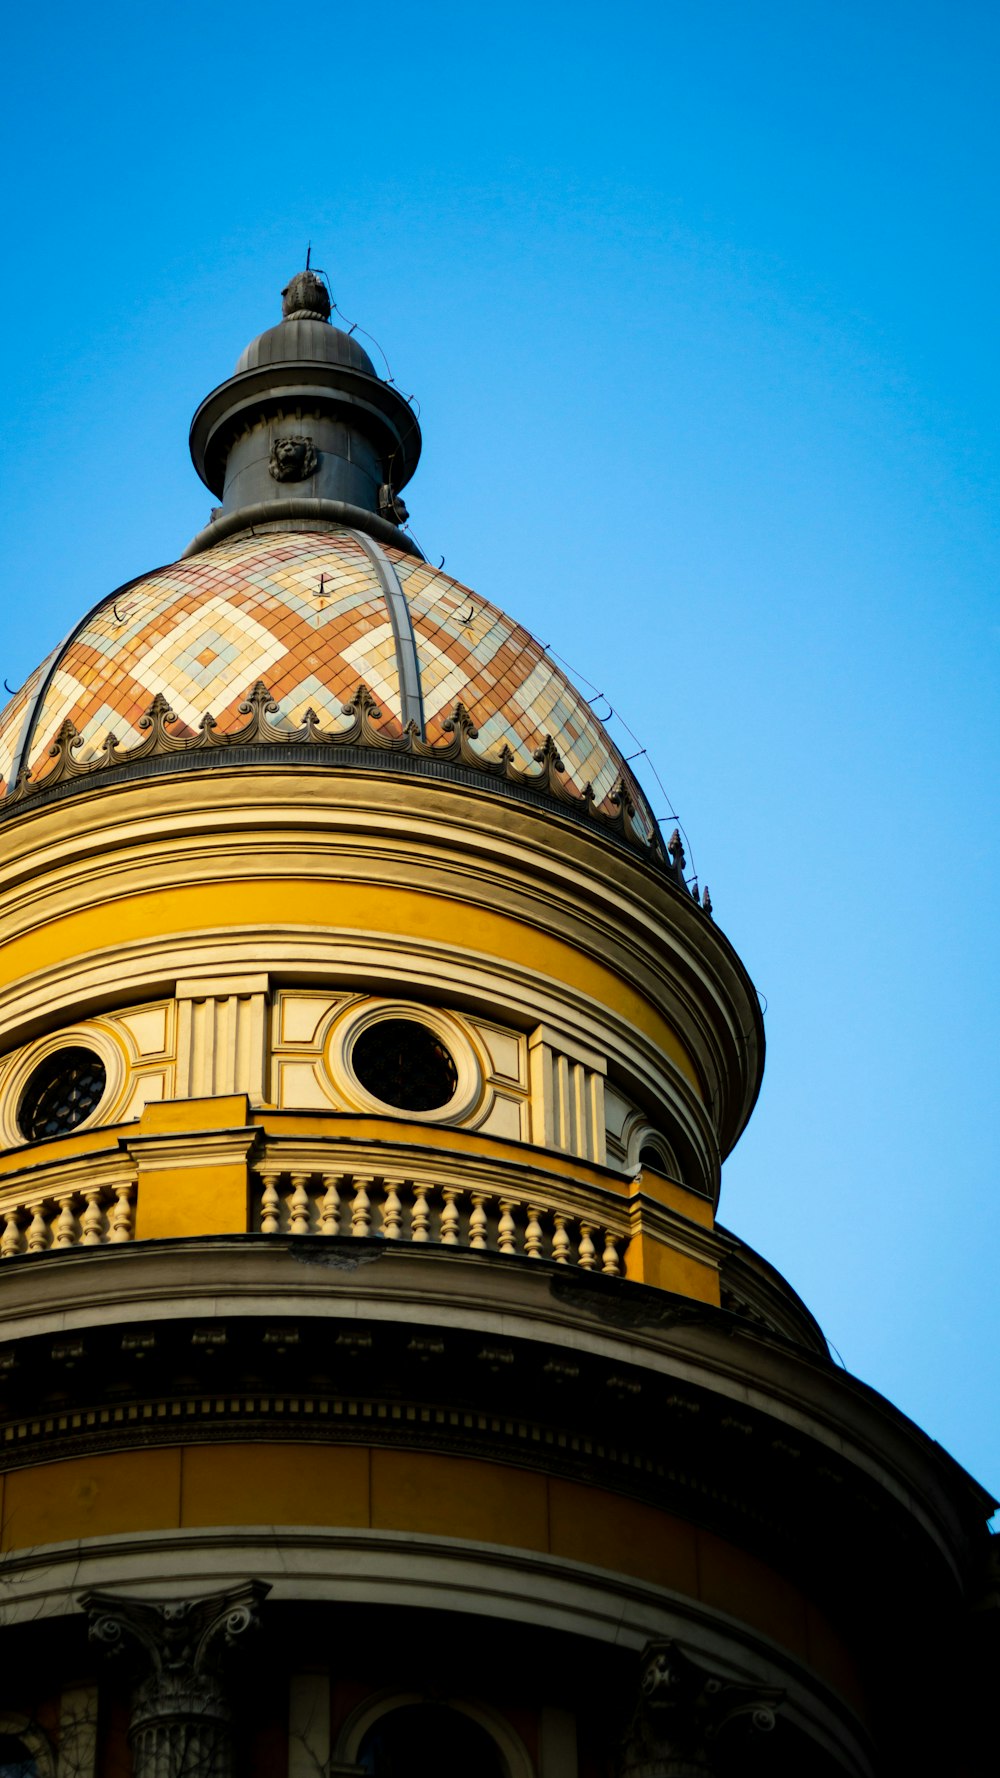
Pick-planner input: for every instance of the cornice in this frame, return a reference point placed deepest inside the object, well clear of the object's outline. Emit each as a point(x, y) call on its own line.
point(348, 1566)
point(826, 1443)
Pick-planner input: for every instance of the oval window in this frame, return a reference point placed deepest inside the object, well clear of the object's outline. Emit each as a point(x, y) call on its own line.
point(61, 1093)
point(405, 1065)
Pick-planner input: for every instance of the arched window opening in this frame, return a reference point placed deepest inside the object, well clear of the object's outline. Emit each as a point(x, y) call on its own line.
point(651, 1157)
point(429, 1741)
point(16, 1760)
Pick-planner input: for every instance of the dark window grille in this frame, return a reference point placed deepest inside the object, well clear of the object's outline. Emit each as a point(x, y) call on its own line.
point(63, 1090)
point(405, 1065)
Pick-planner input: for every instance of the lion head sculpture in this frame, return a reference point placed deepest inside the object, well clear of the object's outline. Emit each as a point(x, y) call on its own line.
point(293, 459)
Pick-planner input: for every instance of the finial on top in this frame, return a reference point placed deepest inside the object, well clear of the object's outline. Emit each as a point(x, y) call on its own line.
point(305, 298)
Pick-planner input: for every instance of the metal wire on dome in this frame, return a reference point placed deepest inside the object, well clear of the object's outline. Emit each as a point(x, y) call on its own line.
point(641, 751)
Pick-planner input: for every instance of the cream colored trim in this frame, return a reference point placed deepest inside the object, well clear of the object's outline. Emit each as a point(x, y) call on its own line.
point(95, 1035)
point(223, 1033)
point(567, 1098)
point(348, 1025)
point(454, 842)
point(344, 957)
point(556, 1038)
point(209, 986)
point(96, 1169)
point(199, 1149)
point(347, 960)
point(638, 1133)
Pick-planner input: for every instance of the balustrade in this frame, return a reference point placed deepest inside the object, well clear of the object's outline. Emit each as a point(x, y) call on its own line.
point(80, 1216)
point(295, 1200)
point(304, 1199)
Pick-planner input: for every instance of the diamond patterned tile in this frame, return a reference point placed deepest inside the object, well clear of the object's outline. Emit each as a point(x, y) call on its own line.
point(305, 613)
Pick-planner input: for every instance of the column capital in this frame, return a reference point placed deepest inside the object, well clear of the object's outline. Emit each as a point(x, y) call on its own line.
point(176, 1653)
point(682, 1710)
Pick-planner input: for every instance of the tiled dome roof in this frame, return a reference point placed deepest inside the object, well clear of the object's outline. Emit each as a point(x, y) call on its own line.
point(311, 615)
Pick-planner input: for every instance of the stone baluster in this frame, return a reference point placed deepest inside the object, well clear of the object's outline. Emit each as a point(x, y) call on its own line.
point(178, 1655)
point(92, 1223)
point(449, 1216)
point(270, 1202)
point(361, 1208)
point(299, 1207)
point(12, 1240)
point(329, 1212)
point(38, 1231)
point(533, 1233)
point(392, 1211)
point(609, 1258)
point(587, 1255)
point(478, 1223)
point(560, 1239)
point(65, 1232)
point(122, 1224)
point(506, 1230)
point(421, 1215)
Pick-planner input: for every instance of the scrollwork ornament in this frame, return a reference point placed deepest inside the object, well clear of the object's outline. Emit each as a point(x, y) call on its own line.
point(179, 1652)
point(683, 1714)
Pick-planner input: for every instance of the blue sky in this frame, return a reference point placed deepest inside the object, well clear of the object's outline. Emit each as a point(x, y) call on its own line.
point(699, 304)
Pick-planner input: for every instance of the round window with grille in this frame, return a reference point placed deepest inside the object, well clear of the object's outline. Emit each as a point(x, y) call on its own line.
point(61, 1093)
point(404, 1064)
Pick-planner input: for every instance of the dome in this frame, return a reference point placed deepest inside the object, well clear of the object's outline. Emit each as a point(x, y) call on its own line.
point(307, 617)
point(304, 340)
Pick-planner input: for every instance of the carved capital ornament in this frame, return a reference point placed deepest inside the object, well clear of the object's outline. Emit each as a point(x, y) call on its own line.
point(177, 1654)
point(682, 1712)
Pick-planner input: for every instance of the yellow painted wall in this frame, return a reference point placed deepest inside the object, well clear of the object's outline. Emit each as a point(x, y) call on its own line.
point(358, 1487)
point(648, 1261)
point(362, 907)
point(209, 1200)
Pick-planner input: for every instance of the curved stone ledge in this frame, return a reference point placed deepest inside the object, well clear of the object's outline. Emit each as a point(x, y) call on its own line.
point(342, 1565)
point(817, 1440)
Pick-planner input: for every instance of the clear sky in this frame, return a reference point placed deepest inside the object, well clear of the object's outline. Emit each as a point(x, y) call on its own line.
point(700, 306)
